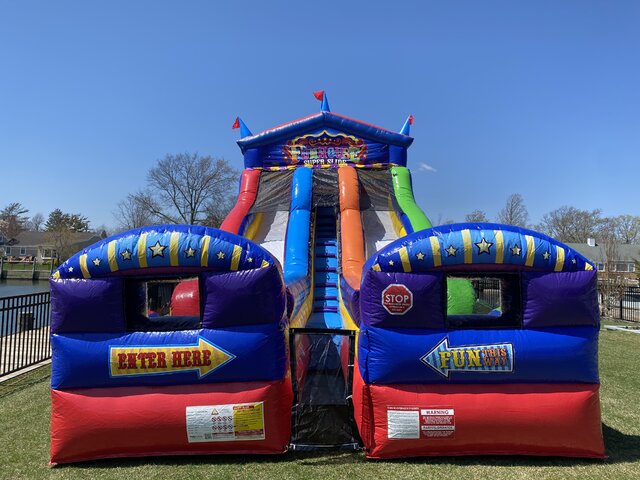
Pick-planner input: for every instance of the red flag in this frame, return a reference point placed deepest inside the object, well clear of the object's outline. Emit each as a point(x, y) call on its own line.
point(410, 119)
point(236, 124)
point(319, 94)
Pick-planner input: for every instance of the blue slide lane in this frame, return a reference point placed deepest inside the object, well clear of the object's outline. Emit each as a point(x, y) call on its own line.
point(552, 355)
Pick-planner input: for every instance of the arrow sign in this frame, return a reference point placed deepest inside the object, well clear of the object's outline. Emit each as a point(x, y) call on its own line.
point(204, 357)
point(492, 358)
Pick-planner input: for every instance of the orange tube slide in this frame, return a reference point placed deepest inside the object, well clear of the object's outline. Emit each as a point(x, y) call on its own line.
point(351, 237)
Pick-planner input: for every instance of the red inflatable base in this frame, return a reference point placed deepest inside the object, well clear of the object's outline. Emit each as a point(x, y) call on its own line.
point(230, 418)
point(427, 420)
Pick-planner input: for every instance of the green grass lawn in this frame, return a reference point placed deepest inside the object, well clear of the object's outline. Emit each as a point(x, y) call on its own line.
point(24, 442)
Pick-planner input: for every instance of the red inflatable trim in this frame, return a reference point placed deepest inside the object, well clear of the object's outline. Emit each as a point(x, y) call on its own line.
point(247, 196)
point(516, 419)
point(96, 423)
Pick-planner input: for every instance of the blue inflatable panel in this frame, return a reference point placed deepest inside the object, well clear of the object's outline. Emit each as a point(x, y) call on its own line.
point(233, 354)
point(554, 355)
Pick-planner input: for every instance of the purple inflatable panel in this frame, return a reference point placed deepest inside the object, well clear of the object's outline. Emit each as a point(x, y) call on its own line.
point(383, 301)
point(248, 297)
point(560, 299)
point(92, 305)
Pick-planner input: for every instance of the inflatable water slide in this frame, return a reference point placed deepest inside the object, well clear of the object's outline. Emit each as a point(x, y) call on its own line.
point(326, 311)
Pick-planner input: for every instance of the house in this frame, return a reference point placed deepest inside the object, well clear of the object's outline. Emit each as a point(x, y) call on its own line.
point(41, 246)
point(624, 263)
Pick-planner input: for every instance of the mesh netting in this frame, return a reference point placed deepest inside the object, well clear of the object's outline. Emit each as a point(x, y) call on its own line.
point(274, 192)
point(376, 190)
point(325, 187)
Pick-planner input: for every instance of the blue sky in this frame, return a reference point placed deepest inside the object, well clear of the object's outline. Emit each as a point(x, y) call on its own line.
point(540, 98)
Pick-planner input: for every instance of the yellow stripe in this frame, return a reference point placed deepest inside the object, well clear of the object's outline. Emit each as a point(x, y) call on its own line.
point(111, 254)
point(468, 250)
point(588, 266)
point(404, 257)
point(252, 230)
point(531, 250)
point(173, 248)
point(559, 259)
point(499, 246)
point(83, 266)
point(376, 267)
point(204, 255)
point(235, 257)
point(435, 249)
point(264, 264)
point(56, 275)
point(142, 250)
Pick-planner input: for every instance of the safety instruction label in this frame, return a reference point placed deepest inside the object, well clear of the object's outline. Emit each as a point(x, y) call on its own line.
point(417, 422)
point(403, 423)
point(225, 423)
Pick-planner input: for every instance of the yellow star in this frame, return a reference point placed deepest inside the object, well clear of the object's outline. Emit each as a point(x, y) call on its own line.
point(157, 250)
point(220, 255)
point(546, 255)
point(190, 252)
point(249, 260)
point(391, 262)
point(420, 256)
point(96, 262)
point(126, 255)
point(451, 251)
point(516, 250)
point(70, 269)
point(483, 246)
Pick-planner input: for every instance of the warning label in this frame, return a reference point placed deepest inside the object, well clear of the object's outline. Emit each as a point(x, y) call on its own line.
point(416, 422)
point(437, 422)
point(225, 423)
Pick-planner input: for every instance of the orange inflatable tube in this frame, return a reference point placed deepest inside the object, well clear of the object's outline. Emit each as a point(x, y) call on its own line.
point(351, 238)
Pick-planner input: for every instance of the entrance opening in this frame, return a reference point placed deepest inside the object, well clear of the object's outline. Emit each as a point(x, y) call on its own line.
point(322, 374)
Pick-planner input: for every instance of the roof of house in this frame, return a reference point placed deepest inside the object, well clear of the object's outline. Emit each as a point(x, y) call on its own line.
point(36, 239)
point(598, 254)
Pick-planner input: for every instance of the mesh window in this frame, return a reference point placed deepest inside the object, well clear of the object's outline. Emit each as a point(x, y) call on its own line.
point(167, 304)
point(484, 301)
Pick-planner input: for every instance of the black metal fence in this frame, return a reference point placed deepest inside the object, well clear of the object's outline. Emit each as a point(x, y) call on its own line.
point(24, 331)
point(628, 305)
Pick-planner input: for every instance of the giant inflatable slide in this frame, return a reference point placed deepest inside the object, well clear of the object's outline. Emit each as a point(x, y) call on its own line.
point(326, 311)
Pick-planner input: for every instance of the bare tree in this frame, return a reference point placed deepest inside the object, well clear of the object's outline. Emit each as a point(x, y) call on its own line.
point(476, 216)
point(611, 283)
point(627, 228)
point(570, 224)
point(131, 213)
point(36, 222)
point(514, 212)
point(13, 219)
point(184, 188)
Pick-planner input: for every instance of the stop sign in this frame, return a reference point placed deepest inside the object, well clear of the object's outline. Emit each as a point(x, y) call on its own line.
point(397, 299)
